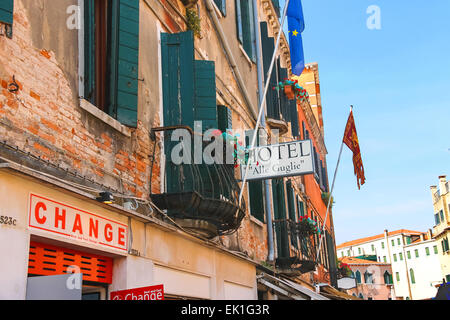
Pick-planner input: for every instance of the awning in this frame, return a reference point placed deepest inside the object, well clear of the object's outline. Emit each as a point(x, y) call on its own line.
point(335, 294)
point(289, 288)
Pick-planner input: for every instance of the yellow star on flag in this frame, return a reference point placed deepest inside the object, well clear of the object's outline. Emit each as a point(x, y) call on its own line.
point(295, 33)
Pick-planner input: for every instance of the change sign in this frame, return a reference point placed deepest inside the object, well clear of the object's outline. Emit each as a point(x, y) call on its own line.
point(280, 160)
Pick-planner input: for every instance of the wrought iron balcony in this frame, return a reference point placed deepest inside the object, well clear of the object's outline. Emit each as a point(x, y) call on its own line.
point(296, 248)
point(201, 197)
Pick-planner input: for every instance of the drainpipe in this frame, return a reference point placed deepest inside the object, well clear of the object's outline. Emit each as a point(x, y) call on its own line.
point(230, 56)
point(267, 182)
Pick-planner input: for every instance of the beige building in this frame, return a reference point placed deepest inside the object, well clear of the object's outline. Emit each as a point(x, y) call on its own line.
point(441, 230)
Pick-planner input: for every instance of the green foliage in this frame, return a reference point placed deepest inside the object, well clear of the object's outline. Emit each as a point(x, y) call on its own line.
point(193, 22)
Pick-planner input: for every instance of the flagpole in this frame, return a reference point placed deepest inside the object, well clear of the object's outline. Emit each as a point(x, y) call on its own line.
point(252, 145)
point(331, 196)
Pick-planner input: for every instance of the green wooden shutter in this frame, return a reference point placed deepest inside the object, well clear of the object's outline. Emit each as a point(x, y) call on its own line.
point(224, 118)
point(6, 15)
point(276, 5)
point(268, 47)
point(294, 118)
point(6, 11)
point(177, 51)
point(124, 61)
point(205, 108)
point(239, 21)
point(291, 210)
point(222, 5)
point(177, 59)
point(248, 29)
point(255, 188)
point(280, 214)
point(284, 102)
point(89, 51)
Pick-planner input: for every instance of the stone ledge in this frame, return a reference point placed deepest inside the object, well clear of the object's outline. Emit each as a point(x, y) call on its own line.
point(99, 114)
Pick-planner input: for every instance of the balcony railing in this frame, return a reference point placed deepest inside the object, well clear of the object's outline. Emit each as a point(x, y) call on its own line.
point(202, 197)
point(296, 249)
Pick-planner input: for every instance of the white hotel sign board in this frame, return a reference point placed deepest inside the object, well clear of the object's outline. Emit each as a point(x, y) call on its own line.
point(287, 159)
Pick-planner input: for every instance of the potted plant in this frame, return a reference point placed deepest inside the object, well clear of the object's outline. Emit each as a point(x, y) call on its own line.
point(307, 226)
point(292, 90)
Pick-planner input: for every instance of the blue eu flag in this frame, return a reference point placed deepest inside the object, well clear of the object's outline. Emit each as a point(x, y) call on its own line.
point(296, 25)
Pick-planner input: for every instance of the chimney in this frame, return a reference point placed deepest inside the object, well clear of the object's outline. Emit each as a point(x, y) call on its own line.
point(429, 234)
point(433, 190)
point(442, 182)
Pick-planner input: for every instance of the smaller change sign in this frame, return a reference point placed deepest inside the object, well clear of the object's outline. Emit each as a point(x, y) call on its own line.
point(145, 293)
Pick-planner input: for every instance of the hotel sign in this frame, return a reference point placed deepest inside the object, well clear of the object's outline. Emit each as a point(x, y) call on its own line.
point(74, 223)
point(280, 160)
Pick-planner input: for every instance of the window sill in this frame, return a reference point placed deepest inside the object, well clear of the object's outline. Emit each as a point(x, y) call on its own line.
point(99, 114)
point(250, 62)
point(256, 221)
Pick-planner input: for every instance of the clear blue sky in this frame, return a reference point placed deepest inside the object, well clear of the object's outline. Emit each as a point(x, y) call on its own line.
point(398, 79)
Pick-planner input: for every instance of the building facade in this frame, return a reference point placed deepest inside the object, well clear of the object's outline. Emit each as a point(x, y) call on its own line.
point(441, 229)
point(374, 279)
point(91, 91)
point(413, 257)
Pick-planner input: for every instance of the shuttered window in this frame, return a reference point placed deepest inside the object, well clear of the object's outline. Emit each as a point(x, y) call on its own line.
point(279, 205)
point(222, 5)
point(255, 188)
point(112, 57)
point(6, 15)
point(272, 97)
point(245, 27)
point(189, 92)
point(291, 210)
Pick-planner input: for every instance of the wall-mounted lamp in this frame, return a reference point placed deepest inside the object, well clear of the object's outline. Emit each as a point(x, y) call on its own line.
point(106, 197)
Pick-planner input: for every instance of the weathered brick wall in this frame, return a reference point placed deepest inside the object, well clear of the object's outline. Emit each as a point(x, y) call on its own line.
point(44, 118)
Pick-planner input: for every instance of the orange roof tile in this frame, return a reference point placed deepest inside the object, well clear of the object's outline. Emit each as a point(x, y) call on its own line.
point(379, 236)
point(356, 261)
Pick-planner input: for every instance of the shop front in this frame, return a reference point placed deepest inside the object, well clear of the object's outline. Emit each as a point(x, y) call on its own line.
point(60, 243)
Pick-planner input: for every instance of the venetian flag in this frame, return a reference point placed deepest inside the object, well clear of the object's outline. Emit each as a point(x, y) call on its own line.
point(351, 140)
point(296, 25)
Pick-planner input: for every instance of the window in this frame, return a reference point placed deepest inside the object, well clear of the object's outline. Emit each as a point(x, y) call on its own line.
point(416, 252)
point(408, 253)
point(397, 276)
point(361, 296)
point(392, 242)
point(111, 57)
point(348, 253)
point(387, 277)
point(411, 274)
point(441, 214)
point(255, 188)
point(368, 278)
point(395, 257)
point(358, 277)
point(435, 248)
point(400, 255)
point(222, 5)
point(6, 15)
point(445, 247)
point(373, 247)
point(384, 259)
point(342, 254)
point(436, 219)
point(427, 251)
point(245, 27)
point(382, 245)
point(408, 240)
point(398, 241)
point(359, 250)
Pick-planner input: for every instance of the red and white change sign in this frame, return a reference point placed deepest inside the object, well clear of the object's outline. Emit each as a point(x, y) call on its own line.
point(145, 293)
point(63, 219)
